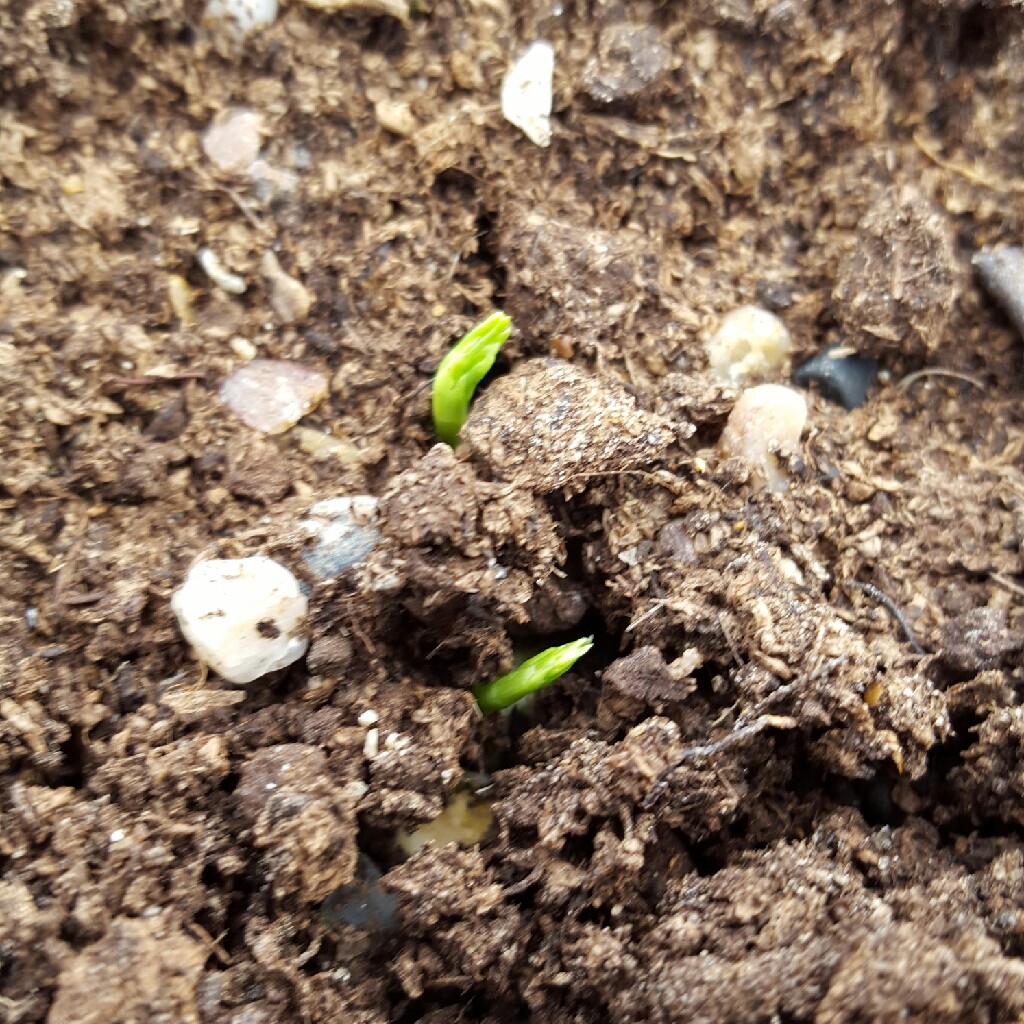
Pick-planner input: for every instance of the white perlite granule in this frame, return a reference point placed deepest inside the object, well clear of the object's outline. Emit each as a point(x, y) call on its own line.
point(244, 617)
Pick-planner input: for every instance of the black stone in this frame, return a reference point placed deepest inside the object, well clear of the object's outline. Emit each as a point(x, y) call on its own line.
point(845, 379)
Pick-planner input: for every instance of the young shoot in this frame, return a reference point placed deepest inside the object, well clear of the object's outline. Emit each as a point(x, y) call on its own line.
point(461, 370)
point(531, 676)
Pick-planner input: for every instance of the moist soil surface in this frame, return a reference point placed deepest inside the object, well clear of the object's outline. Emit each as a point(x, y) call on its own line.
point(786, 784)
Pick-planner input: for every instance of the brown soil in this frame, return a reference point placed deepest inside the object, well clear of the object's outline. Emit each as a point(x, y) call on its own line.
point(788, 782)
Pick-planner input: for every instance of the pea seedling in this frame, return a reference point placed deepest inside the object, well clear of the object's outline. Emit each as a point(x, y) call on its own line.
point(531, 676)
point(461, 371)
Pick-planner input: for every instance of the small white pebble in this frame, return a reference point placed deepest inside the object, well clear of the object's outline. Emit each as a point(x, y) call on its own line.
point(368, 718)
point(750, 342)
point(790, 571)
point(217, 273)
point(356, 789)
point(237, 18)
point(765, 419)
point(232, 142)
point(527, 90)
point(243, 616)
point(10, 281)
point(117, 835)
point(371, 745)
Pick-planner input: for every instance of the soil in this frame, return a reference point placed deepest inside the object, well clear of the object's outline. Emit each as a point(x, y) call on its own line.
point(787, 784)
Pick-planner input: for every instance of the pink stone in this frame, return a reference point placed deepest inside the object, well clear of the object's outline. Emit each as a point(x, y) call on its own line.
point(232, 142)
point(272, 395)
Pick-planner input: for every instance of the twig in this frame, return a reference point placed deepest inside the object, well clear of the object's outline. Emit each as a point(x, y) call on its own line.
point(727, 633)
point(1005, 581)
point(890, 606)
point(523, 884)
point(91, 597)
point(661, 478)
point(972, 175)
point(741, 732)
point(211, 944)
point(147, 379)
point(653, 610)
point(245, 209)
point(938, 371)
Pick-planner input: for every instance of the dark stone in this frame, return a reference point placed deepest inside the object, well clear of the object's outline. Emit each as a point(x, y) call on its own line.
point(362, 904)
point(843, 378)
point(169, 420)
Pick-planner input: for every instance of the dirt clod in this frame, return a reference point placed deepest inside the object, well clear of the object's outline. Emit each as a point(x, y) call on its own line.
point(899, 278)
point(549, 426)
point(302, 818)
point(140, 970)
point(629, 62)
point(978, 640)
point(785, 783)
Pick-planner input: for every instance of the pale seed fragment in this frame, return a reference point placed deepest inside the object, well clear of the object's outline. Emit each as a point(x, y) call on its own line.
point(289, 298)
point(765, 420)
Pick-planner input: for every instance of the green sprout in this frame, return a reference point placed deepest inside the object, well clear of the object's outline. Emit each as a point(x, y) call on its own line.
point(461, 370)
point(531, 676)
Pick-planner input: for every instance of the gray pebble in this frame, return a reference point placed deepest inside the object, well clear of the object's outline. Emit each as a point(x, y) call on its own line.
point(345, 530)
point(1001, 272)
point(362, 904)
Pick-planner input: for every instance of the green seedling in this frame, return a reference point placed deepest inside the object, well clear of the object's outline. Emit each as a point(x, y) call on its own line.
point(531, 676)
point(460, 372)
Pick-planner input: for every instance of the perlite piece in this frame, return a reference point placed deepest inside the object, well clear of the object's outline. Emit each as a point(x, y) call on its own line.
point(244, 617)
point(237, 18)
point(527, 90)
point(290, 299)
